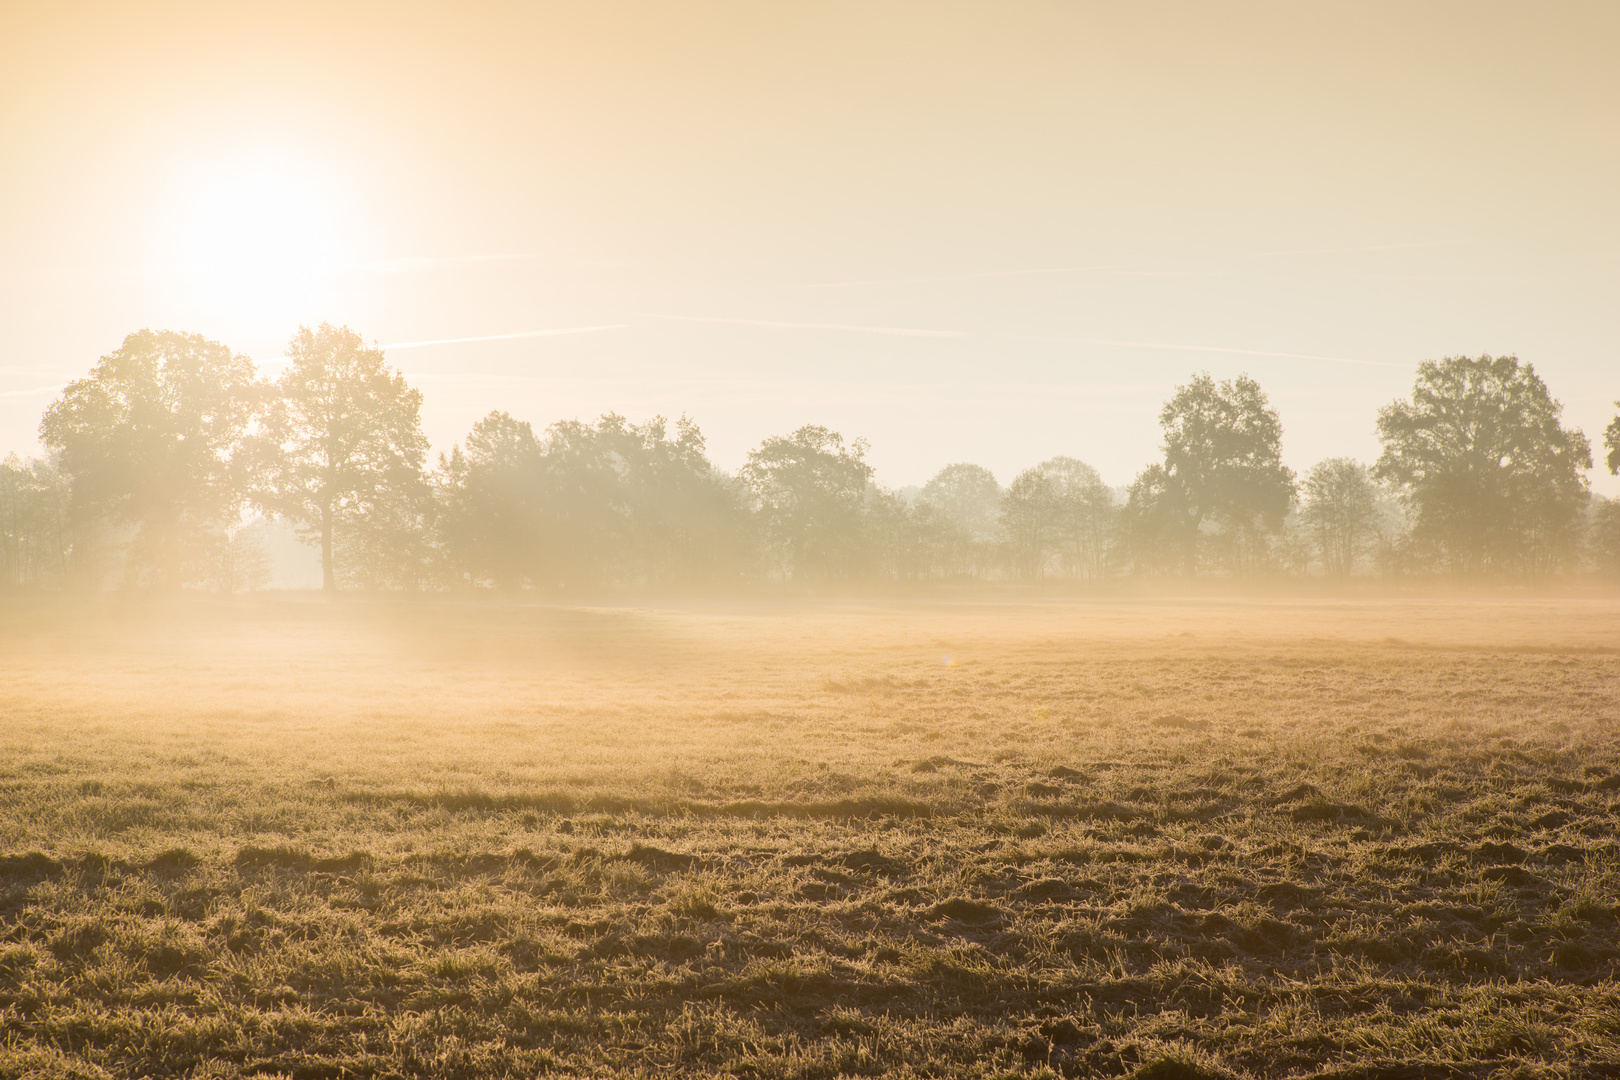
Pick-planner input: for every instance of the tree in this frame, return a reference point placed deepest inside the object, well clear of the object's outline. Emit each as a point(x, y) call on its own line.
point(1222, 467)
point(1493, 477)
point(1152, 522)
point(342, 455)
point(152, 439)
point(492, 494)
point(1027, 516)
point(609, 503)
point(1341, 510)
point(237, 560)
point(811, 492)
point(682, 520)
point(34, 538)
point(1611, 441)
point(963, 511)
point(1605, 535)
point(1082, 516)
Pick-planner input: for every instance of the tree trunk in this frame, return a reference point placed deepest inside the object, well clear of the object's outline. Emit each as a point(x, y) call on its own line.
point(328, 579)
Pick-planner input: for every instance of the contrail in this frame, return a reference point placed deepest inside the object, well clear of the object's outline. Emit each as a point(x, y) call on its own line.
point(1214, 349)
point(963, 277)
point(31, 393)
point(896, 331)
point(506, 337)
point(1127, 268)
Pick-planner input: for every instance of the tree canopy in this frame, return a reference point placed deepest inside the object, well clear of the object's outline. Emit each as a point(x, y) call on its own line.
point(1341, 510)
point(1611, 442)
point(810, 489)
point(152, 438)
point(158, 456)
point(1492, 475)
point(342, 454)
point(1222, 467)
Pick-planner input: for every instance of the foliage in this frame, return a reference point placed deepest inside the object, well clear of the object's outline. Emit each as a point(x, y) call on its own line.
point(616, 503)
point(1151, 522)
point(1341, 509)
point(152, 438)
point(1605, 535)
point(810, 490)
point(341, 455)
point(683, 521)
point(161, 447)
point(1611, 441)
point(1083, 514)
point(1222, 467)
point(35, 544)
point(490, 517)
point(1493, 476)
point(961, 505)
point(1028, 510)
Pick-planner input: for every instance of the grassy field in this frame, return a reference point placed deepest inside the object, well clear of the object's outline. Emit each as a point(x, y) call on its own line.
point(1169, 839)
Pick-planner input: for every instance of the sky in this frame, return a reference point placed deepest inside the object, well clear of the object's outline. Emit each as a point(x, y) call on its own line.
point(988, 232)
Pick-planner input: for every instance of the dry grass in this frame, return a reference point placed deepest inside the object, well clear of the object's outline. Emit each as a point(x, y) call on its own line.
point(278, 838)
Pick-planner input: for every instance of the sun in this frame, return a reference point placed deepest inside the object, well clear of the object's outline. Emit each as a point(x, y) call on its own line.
point(258, 240)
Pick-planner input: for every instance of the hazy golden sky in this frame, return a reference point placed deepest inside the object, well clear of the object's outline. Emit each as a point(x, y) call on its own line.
point(990, 232)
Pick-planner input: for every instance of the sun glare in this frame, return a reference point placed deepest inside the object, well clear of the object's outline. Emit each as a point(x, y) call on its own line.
point(258, 240)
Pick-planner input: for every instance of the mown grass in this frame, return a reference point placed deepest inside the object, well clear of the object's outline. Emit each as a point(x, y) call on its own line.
point(1150, 838)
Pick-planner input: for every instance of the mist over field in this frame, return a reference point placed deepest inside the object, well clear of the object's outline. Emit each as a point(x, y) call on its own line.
point(805, 541)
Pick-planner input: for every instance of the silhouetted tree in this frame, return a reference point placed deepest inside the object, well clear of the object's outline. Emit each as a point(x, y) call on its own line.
point(1605, 535)
point(1083, 514)
point(152, 439)
point(613, 503)
point(493, 493)
point(1152, 522)
point(810, 490)
point(1341, 511)
point(961, 518)
point(1611, 442)
point(682, 521)
point(341, 456)
point(1029, 519)
point(34, 537)
point(1222, 467)
point(899, 536)
point(1493, 477)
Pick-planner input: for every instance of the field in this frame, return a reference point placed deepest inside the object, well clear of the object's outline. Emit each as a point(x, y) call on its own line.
point(277, 837)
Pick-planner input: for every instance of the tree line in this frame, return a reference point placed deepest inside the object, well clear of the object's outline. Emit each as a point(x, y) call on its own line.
point(160, 458)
